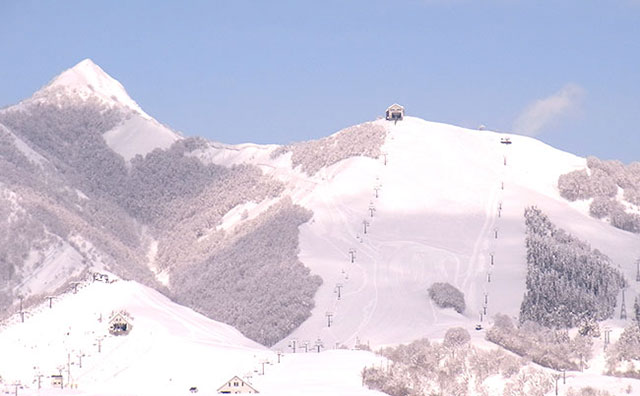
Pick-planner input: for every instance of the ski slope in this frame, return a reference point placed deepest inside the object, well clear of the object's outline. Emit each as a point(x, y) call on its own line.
point(169, 349)
point(448, 199)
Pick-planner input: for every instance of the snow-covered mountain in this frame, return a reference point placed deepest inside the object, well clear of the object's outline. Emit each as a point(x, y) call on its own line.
point(336, 240)
point(137, 133)
point(169, 350)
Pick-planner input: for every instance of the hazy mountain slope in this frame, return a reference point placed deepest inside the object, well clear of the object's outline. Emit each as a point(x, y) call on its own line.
point(439, 202)
point(97, 183)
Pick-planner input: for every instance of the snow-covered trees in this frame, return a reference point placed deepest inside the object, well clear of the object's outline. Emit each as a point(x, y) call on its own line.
point(574, 185)
point(587, 391)
point(447, 296)
point(360, 140)
point(254, 282)
point(624, 356)
point(602, 183)
point(567, 282)
point(456, 337)
point(424, 368)
point(165, 207)
point(547, 347)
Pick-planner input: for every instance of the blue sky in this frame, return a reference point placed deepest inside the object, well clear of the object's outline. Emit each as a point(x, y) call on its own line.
point(567, 72)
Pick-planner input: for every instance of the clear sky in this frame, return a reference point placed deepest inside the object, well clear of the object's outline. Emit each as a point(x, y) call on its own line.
point(567, 72)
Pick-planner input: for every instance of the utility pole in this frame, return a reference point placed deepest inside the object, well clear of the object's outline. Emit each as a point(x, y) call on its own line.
point(60, 368)
point(50, 298)
point(39, 380)
point(329, 316)
point(352, 253)
point(365, 224)
point(15, 390)
point(68, 369)
point(338, 289)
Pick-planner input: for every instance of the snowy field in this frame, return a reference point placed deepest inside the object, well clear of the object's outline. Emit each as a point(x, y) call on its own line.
point(168, 350)
point(443, 204)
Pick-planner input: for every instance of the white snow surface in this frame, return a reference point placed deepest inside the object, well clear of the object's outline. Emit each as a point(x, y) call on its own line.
point(436, 218)
point(88, 79)
point(446, 201)
point(139, 135)
point(169, 349)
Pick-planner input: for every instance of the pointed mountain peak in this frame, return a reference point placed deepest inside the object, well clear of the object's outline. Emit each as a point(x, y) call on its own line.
point(86, 79)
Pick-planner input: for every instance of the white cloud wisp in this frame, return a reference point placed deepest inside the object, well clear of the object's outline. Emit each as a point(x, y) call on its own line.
point(544, 112)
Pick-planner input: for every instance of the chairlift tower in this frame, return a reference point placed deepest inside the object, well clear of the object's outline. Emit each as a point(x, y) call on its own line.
point(292, 344)
point(365, 225)
point(352, 253)
point(329, 316)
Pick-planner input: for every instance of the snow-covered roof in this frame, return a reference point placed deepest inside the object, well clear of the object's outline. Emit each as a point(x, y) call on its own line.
point(395, 106)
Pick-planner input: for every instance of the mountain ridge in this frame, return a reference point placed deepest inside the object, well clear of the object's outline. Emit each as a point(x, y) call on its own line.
point(430, 192)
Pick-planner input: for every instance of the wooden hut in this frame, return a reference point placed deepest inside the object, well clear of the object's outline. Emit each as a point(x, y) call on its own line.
point(395, 112)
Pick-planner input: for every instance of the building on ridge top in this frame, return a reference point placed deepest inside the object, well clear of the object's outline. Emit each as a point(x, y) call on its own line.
point(395, 112)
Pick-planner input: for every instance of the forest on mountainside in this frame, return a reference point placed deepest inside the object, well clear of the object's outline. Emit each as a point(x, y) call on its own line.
point(552, 348)
point(72, 187)
point(567, 281)
point(453, 367)
point(255, 282)
point(614, 190)
point(360, 140)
